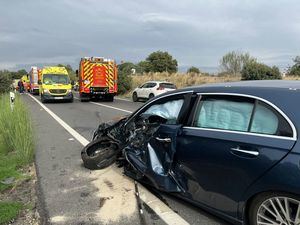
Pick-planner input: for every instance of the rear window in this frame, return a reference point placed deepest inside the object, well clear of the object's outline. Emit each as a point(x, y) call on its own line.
point(167, 85)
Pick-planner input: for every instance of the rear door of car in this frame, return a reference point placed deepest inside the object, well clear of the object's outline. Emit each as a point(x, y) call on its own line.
point(229, 142)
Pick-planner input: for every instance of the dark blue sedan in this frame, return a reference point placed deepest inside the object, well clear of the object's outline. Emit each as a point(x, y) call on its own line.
point(230, 148)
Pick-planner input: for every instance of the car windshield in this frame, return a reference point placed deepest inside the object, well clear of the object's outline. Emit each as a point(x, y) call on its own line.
point(56, 79)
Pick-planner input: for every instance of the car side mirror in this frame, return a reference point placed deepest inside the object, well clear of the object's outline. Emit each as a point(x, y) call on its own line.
point(72, 82)
point(39, 82)
point(76, 73)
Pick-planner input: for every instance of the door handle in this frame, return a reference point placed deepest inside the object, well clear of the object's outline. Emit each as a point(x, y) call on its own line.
point(255, 153)
point(168, 140)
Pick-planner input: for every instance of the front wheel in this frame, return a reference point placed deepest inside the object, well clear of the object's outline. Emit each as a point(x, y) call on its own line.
point(43, 100)
point(134, 97)
point(276, 209)
point(99, 154)
point(151, 96)
point(110, 98)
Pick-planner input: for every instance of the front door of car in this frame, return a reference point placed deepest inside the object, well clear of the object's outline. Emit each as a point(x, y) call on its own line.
point(230, 143)
point(141, 91)
point(154, 159)
point(148, 89)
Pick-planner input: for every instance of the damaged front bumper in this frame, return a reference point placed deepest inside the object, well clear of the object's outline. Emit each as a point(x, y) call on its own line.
point(145, 148)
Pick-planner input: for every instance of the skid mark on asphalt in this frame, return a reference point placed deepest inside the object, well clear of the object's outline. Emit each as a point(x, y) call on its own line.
point(111, 182)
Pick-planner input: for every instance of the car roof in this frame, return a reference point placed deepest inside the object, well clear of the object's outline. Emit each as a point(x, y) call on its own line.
point(155, 81)
point(275, 84)
point(285, 94)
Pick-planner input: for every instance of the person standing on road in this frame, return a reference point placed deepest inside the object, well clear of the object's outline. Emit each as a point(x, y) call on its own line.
point(21, 86)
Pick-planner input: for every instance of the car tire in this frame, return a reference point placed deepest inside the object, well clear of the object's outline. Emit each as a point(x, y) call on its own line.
point(43, 100)
point(71, 100)
point(151, 96)
point(135, 97)
point(110, 98)
point(257, 207)
point(99, 154)
point(84, 99)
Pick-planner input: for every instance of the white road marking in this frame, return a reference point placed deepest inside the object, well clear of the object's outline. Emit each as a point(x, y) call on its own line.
point(160, 208)
point(123, 99)
point(74, 133)
point(108, 106)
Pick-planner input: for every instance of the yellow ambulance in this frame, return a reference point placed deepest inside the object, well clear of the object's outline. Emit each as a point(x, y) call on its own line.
point(55, 85)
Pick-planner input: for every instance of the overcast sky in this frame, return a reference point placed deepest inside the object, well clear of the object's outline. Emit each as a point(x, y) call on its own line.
point(195, 32)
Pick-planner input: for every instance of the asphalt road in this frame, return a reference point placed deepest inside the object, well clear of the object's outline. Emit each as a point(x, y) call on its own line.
point(72, 194)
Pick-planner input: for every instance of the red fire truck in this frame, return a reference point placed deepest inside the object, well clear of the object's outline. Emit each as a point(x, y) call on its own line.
point(34, 77)
point(97, 78)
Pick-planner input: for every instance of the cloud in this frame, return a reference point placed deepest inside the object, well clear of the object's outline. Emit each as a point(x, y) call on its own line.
point(194, 32)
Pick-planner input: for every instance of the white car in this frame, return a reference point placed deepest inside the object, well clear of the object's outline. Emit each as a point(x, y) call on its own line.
point(151, 89)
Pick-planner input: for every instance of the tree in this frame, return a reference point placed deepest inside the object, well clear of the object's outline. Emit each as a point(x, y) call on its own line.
point(124, 78)
point(18, 74)
point(126, 67)
point(295, 69)
point(5, 81)
point(260, 71)
point(193, 69)
point(161, 62)
point(234, 61)
point(143, 67)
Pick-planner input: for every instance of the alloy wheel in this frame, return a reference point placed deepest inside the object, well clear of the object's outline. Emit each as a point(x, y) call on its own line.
point(279, 211)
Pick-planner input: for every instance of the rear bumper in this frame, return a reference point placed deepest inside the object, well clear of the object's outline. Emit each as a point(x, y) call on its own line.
point(68, 96)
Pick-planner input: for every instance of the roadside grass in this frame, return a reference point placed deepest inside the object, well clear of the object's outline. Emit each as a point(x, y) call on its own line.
point(16, 130)
point(16, 152)
point(9, 211)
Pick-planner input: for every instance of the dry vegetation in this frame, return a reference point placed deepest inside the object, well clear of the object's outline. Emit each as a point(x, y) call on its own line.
point(182, 80)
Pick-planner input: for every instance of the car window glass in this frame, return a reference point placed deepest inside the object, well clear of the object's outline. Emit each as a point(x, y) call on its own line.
point(168, 110)
point(264, 121)
point(224, 114)
point(149, 85)
point(167, 85)
point(144, 86)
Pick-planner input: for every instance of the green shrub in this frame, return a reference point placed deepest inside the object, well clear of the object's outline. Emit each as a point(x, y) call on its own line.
point(259, 71)
point(16, 129)
point(124, 77)
point(295, 69)
point(193, 69)
point(5, 82)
